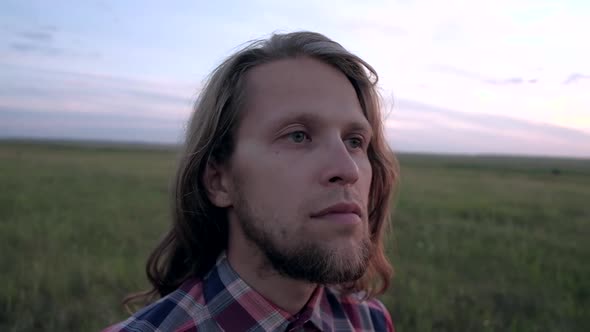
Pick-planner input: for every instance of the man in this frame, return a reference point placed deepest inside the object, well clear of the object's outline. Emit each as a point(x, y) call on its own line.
point(281, 199)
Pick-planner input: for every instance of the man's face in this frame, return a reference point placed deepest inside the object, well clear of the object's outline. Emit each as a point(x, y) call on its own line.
point(300, 173)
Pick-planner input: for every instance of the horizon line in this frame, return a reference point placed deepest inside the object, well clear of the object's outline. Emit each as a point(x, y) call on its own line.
point(160, 144)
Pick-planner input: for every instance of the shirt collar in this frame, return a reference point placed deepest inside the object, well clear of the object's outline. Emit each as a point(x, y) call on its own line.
point(236, 306)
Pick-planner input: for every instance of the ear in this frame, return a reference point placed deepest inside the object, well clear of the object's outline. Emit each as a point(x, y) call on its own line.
point(216, 182)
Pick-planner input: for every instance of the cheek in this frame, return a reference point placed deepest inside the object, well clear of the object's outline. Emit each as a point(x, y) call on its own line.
point(365, 176)
point(265, 182)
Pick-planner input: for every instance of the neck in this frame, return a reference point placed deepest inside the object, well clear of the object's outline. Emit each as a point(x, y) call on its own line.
point(251, 265)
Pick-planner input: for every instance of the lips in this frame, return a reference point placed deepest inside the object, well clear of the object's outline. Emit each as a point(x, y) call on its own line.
point(345, 212)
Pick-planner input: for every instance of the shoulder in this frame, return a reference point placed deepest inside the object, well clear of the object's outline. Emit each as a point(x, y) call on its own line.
point(380, 315)
point(181, 310)
point(365, 314)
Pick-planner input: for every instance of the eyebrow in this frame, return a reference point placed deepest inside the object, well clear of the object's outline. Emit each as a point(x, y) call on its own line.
point(311, 117)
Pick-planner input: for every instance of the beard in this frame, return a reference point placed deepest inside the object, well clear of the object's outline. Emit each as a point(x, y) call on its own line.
point(295, 256)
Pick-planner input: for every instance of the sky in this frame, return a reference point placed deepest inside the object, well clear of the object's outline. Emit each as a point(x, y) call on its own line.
point(461, 77)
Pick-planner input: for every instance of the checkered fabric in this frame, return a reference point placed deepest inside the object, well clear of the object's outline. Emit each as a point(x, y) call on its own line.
point(222, 301)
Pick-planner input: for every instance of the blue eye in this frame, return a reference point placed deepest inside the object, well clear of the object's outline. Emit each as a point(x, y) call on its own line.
point(298, 136)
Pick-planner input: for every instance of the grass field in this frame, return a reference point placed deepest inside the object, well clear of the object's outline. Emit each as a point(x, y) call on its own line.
point(478, 244)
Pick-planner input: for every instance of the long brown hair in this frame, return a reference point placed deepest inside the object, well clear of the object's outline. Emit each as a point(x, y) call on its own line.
point(199, 229)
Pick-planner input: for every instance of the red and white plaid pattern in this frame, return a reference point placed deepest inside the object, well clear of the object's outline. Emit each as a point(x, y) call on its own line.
point(222, 301)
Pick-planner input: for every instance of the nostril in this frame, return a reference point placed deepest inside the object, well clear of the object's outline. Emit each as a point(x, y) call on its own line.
point(335, 179)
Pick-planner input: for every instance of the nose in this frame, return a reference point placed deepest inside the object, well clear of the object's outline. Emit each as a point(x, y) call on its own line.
point(339, 166)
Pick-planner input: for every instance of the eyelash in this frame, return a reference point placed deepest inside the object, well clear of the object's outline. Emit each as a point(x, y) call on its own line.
point(360, 139)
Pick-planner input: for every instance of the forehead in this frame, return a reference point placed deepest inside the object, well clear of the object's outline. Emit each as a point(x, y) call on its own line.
point(287, 87)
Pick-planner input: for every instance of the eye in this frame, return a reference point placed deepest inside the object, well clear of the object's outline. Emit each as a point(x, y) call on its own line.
point(356, 142)
point(299, 136)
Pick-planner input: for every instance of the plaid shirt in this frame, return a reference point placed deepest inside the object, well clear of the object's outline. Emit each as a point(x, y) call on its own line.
point(222, 301)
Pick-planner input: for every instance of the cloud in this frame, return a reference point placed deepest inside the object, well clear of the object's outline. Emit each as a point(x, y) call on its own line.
point(576, 77)
point(41, 40)
point(42, 35)
point(513, 80)
point(63, 120)
point(57, 104)
point(499, 122)
point(39, 34)
point(481, 78)
point(48, 50)
point(36, 100)
point(37, 48)
point(415, 126)
point(65, 125)
point(54, 104)
point(48, 27)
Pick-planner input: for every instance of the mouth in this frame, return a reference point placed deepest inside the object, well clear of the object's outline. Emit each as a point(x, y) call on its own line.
point(341, 213)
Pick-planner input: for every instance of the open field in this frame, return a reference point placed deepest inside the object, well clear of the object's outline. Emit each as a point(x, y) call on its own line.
point(478, 243)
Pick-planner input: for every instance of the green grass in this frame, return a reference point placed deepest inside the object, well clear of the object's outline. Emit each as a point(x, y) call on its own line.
point(478, 243)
